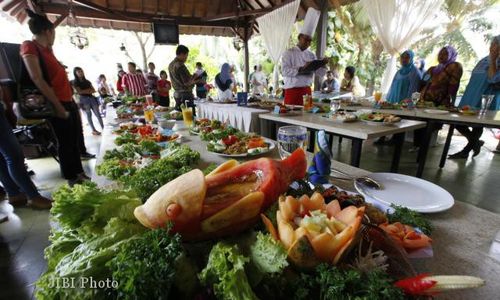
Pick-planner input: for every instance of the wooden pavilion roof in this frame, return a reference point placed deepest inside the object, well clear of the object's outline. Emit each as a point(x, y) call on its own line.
point(204, 17)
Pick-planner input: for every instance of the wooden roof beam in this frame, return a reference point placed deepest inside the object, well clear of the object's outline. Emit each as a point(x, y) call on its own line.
point(60, 19)
point(20, 7)
point(11, 5)
point(254, 12)
point(60, 9)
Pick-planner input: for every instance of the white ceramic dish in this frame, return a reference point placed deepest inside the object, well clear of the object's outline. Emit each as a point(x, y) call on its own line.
point(408, 191)
point(436, 111)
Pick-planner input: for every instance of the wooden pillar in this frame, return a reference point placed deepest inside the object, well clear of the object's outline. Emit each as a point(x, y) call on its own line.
point(321, 31)
point(246, 69)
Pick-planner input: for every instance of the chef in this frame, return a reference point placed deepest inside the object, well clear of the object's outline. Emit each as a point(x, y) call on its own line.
point(294, 60)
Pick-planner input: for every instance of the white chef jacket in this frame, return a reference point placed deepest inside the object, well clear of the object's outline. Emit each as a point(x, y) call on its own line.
point(291, 61)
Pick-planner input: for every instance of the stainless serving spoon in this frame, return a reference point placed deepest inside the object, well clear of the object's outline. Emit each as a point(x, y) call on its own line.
point(364, 180)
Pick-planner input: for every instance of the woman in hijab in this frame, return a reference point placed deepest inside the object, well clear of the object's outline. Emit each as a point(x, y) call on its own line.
point(420, 65)
point(442, 81)
point(484, 79)
point(224, 83)
point(406, 81)
point(441, 84)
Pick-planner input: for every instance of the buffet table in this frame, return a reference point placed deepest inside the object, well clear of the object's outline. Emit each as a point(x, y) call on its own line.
point(356, 131)
point(244, 118)
point(461, 238)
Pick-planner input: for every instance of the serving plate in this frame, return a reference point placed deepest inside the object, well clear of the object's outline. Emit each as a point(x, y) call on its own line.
point(408, 191)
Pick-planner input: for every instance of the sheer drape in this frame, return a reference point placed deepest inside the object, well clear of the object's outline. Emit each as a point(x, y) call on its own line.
point(276, 28)
point(397, 23)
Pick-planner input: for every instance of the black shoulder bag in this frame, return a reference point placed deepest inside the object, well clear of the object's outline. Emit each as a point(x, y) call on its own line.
point(32, 103)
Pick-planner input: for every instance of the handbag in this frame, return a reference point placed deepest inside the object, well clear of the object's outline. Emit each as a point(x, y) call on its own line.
point(32, 103)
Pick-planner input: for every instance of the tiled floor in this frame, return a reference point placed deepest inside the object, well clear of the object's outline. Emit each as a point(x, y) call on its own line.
point(24, 237)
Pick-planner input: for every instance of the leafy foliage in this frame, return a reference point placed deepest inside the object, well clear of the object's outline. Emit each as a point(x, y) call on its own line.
point(145, 266)
point(407, 216)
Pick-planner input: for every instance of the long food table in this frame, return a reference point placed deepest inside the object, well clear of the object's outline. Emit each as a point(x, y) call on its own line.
point(356, 131)
point(462, 235)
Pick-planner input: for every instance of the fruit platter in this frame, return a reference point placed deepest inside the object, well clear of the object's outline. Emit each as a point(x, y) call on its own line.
point(379, 118)
point(251, 230)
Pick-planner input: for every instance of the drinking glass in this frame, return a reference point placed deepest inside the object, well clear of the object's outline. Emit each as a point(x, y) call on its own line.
point(485, 103)
point(149, 114)
point(187, 116)
point(377, 96)
point(290, 138)
point(335, 106)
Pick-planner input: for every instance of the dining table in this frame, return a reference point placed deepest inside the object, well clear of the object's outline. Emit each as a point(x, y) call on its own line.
point(462, 238)
point(357, 132)
point(435, 119)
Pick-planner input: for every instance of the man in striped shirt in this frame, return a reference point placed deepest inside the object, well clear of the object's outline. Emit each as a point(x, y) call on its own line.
point(134, 83)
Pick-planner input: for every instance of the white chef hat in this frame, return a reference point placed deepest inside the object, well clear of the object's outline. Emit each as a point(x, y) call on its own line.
point(310, 22)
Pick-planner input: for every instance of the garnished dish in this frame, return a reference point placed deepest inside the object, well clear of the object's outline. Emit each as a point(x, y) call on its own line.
point(134, 133)
point(468, 110)
point(229, 141)
point(379, 118)
point(204, 126)
point(342, 117)
point(283, 109)
point(386, 105)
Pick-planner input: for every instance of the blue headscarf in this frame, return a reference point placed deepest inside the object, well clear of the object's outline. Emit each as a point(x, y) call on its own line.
point(225, 72)
point(405, 69)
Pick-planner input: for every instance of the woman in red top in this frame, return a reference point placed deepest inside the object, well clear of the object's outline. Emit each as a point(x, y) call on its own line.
point(119, 83)
point(164, 87)
point(67, 125)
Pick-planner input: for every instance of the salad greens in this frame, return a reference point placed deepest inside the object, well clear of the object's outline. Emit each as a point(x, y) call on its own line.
point(145, 266)
point(93, 225)
point(114, 169)
point(225, 272)
point(268, 255)
point(410, 217)
point(125, 138)
point(147, 180)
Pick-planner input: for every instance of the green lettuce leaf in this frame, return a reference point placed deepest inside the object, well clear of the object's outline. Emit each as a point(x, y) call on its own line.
point(225, 271)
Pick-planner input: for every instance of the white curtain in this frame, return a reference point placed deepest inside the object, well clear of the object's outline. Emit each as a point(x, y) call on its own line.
point(397, 23)
point(276, 28)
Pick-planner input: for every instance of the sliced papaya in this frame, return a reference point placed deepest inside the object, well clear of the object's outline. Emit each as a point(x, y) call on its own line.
point(347, 215)
point(246, 208)
point(333, 208)
point(286, 211)
point(286, 232)
point(324, 246)
point(270, 227)
point(224, 167)
point(302, 254)
point(317, 202)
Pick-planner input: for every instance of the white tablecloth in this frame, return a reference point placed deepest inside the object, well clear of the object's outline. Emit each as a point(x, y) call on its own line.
point(243, 118)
